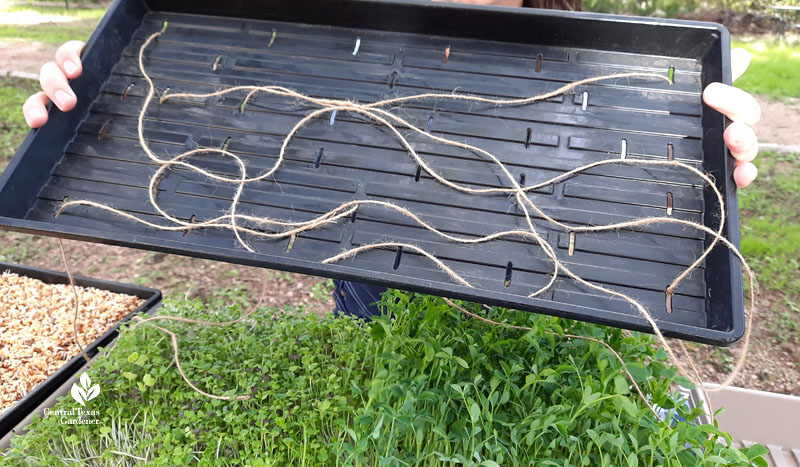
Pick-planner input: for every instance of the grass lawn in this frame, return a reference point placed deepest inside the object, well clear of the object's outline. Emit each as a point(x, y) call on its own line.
point(775, 69)
point(49, 25)
point(770, 228)
point(13, 129)
point(771, 222)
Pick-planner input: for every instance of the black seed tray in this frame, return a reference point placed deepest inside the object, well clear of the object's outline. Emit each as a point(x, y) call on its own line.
point(370, 50)
point(11, 417)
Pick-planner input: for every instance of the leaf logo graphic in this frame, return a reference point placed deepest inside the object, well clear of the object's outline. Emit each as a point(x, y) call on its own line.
point(84, 391)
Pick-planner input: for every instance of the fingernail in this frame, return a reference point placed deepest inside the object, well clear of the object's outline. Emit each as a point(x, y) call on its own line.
point(70, 67)
point(745, 174)
point(62, 98)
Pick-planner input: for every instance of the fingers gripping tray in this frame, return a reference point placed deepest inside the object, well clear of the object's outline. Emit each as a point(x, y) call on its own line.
point(367, 51)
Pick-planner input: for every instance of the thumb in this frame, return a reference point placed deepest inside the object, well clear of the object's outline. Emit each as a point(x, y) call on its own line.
point(740, 60)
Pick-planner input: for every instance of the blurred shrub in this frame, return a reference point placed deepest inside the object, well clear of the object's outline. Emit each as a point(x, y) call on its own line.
point(675, 7)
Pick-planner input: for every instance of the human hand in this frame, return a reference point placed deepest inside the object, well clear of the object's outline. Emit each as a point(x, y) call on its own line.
point(53, 78)
point(743, 110)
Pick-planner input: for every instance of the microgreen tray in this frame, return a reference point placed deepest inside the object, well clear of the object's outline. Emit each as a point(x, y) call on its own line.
point(373, 50)
point(11, 417)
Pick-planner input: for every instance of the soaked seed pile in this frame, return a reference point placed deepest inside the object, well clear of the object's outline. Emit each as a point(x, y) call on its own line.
point(36, 336)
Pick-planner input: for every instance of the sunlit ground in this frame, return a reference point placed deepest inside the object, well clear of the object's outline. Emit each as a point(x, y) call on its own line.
point(50, 25)
point(30, 17)
point(17, 14)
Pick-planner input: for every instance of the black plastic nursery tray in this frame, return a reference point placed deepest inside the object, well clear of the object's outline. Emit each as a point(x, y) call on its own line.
point(372, 50)
point(13, 416)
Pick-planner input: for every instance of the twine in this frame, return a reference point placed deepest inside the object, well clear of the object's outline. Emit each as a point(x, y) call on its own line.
point(374, 111)
point(76, 300)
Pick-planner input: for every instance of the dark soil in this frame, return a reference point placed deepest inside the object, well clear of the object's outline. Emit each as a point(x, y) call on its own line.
point(174, 275)
point(773, 359)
